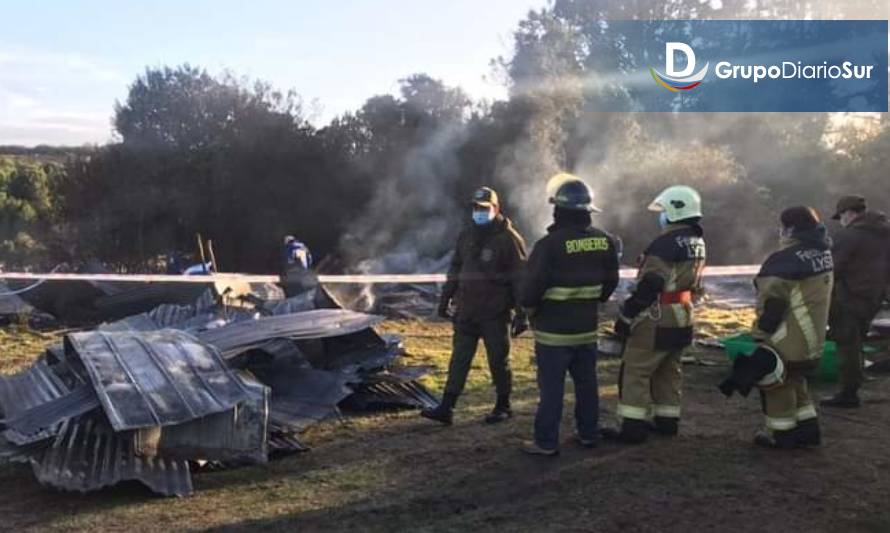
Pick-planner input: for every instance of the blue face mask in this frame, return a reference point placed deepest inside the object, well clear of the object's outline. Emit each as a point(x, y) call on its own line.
point(481, 218)
point(663, 220)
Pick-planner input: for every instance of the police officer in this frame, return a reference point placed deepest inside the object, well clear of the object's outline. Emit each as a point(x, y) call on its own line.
point(861, 259)
point(482, 288)
point(570, 272)
point(656, 320)
point(793, 296)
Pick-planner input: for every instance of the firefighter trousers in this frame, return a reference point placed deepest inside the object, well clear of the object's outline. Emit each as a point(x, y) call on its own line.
point(650, 384)
point(788, 404)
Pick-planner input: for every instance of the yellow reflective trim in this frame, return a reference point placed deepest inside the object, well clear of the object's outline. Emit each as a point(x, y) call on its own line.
point(591, 292)
point(667, 411)
point(776, 377)
point(805, 321)
point(590, 244)
point(781, 424)
point(634, 413)
point(806, 413)
point(565, 339)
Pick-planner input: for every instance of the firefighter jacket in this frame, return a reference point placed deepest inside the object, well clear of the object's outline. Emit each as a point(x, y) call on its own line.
point(669, 279)
point(570, 271)
point(793, 298)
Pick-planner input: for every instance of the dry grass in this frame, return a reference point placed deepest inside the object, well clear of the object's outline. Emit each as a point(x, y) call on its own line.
point(396, 471)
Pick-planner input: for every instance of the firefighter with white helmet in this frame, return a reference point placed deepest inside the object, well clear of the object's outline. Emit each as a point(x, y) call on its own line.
point(656, 321)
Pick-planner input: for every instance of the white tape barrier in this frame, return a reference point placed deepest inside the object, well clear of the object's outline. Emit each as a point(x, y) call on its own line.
point(358, 279)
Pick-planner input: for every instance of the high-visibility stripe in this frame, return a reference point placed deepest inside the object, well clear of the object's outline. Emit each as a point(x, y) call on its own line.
point(561, 294)
point(776, 377)
point(807, 412)
point(781, 423)
point(780, 333)
point(634, 413)
point(667, 411)
point(565, 339)
point(805, 321)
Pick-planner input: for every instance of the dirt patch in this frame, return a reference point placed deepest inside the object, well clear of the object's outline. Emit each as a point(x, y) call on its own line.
point(398, 472)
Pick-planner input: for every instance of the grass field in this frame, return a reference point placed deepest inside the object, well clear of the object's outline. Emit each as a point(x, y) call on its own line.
point(399, 472)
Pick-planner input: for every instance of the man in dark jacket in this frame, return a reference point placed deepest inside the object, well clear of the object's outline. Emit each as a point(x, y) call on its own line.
point(570, 272)
point(482, 288)
point(861, 253)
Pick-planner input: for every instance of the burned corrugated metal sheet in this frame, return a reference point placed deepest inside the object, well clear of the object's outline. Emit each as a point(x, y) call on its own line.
point(301, 395)
point(155, 378)
point(363, 351)
point(395, 388)
point(25, 391)
point(88, 455)
point(284, 442)
point(43, 421)
point(238, 435)
point(30, 388)
point(235, 338)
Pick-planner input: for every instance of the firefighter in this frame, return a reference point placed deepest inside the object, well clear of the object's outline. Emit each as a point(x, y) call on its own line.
point(482, 290)
point(656, 321)
point(793, 297)
point(861, 253)
point(570, 272)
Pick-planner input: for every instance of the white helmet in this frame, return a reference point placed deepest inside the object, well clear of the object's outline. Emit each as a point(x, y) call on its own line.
point(678, 203)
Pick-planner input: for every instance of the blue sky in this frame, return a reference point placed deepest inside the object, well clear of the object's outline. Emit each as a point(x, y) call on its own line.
point(64, 63)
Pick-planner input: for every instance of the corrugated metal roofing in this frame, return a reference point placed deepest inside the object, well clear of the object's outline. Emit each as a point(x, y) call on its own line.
point(157, 378)
point(238, 435)
point(88, 455)
point(322, 323)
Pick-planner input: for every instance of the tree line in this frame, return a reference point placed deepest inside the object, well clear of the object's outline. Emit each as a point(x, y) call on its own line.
point(239, 161)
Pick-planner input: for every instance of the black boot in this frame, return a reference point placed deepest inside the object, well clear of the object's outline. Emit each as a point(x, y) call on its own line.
point(632, 432)
point(808, 433)
point(501, 411)
point(442, 413)
point(666, 426)
point(780, 440)
point(848, 398)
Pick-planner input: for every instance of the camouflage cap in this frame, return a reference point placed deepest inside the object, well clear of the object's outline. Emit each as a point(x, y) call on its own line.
point(485, 197)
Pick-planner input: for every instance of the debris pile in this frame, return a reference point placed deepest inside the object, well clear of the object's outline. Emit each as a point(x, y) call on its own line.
point(151, 396)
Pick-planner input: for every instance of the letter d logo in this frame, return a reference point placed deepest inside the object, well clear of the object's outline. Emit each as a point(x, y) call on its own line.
point(682, 80)
point(670, 53)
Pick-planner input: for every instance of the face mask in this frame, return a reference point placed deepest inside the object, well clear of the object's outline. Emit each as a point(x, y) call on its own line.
point(483, 217)
point(663, 220)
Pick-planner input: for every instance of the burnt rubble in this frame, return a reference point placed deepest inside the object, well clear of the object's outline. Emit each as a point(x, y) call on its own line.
point(226, 380)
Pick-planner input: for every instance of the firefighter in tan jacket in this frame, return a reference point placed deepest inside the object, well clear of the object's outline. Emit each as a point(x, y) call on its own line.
point(793, 298)
point(656, 321)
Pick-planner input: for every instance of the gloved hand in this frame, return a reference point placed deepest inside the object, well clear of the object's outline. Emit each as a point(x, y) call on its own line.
point(622, 327)
point(728, 386)
point(444, 311)
point(519, 325)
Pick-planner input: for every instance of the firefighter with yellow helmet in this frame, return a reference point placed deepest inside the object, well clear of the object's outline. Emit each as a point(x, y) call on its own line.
point(656, 320)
